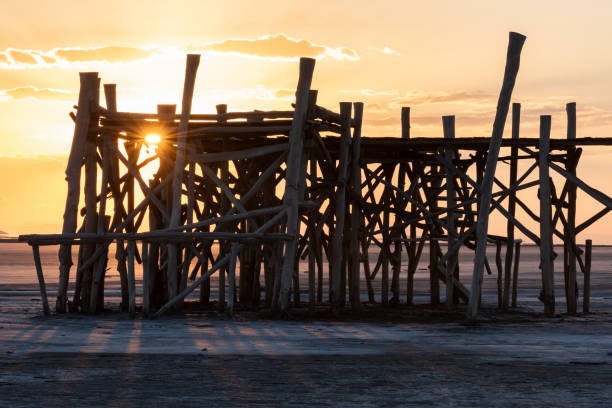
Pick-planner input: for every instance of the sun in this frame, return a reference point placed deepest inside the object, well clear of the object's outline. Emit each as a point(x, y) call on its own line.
point(153, 138)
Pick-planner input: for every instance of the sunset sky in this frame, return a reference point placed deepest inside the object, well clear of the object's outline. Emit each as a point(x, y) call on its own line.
point(438, 57)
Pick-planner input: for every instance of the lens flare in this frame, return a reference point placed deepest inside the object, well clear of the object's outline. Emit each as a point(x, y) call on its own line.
point(153, 138)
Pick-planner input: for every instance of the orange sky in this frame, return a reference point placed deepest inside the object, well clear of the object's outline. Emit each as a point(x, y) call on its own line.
point(440, 58)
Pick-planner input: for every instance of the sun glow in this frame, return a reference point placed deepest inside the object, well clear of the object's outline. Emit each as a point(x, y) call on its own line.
point(153, 138)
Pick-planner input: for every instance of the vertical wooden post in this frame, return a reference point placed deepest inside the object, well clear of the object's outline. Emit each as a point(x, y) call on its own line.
point(516, 123)
point(515, 271)
point(97, 295)
point(412, 245)
point(586, 301)
point(193, 60)
point(312, 238)
point(515, 46)
point(146, 279)
point(159, 293)
point(546, 250)
point(405, 122)
point(232, 277)
point(570, 237)
point(88, 95)
point(448, 124)
point(224, 205)
point(41, 280)
point(290, 199)
point(498, 264)
point(131, 277)
point(386, 242)
point(340, 205)
point(355, 207)
point(434, 245)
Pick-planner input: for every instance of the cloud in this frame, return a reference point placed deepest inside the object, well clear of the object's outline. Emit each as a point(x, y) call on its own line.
point(369, 92)
point(279, 46)
point(276, 46)
point(21, 57)
point(418, 97)
point(48, 94)
point(108, 54)
point(384, 50)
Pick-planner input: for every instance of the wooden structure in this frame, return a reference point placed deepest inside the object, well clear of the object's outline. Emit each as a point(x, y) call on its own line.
point(246, 195)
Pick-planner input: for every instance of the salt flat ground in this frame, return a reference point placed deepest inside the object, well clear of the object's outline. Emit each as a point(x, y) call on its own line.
point(405, 359)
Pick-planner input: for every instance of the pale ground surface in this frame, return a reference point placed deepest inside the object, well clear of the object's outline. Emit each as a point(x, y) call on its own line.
point(516, 359)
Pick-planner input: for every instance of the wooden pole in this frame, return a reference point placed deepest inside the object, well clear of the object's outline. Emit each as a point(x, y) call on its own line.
point(193, 60)
point(290, 199)
point(448, 124)
point(146, 279)
point(340, 206)
point(515, 272)
point(88, 95)
point(131, 277)
point(570, 237)
point(586, 301)
point(224, 204)
point(412, 245)
point(546, 250)
point(516, 123)
point(355, 208)
point(232, 277)
point(515, 46)
point(312, 238)
point(41, 280)
point(405, 122)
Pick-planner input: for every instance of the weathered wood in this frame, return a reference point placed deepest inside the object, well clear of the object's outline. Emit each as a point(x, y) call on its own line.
point(146, 279)
point(131, 277)
point(290, 199)
point(340, 207)
point(569, 233)
point(232, 277)
point(515, 46)
point(448, 124)
point(41, 280)
point(586, 300)
point(405, 122)
point(515, 271)
point(355, 289)
point(88, 94)
point(193, 60)
point(546, 250)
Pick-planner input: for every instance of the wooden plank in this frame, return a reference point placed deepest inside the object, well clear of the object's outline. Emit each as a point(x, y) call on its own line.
point(515, 46)
point(239, 154)
point(546, 250)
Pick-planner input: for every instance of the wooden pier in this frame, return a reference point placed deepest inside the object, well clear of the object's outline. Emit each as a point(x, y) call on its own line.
point(258, 191)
